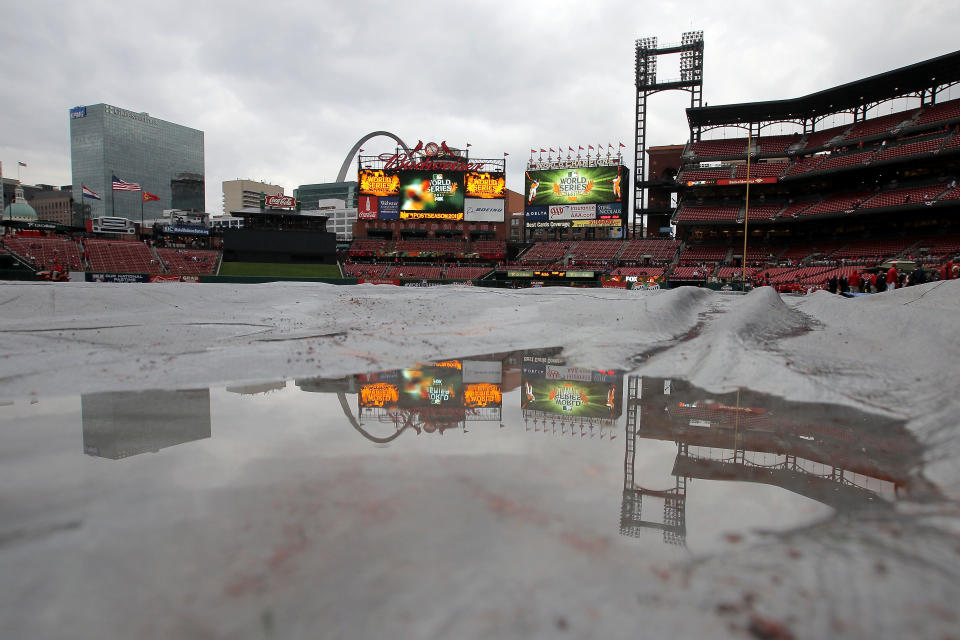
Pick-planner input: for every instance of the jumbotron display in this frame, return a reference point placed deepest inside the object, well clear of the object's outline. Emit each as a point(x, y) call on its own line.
point(432, 182)
point(431, 194)
point(584, 185)
point(577, 196)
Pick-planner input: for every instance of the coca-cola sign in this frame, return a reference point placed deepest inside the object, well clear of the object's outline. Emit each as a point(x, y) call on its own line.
point(280, 201)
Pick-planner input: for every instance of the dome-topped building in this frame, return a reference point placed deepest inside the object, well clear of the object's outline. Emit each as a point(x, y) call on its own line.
point(19, 209)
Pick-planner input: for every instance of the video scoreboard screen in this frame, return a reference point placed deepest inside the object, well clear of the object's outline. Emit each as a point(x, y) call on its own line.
point(434, 194)
point(576, 186)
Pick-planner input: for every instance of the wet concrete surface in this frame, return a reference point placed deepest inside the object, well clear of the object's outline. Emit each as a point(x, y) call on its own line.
point(510, 495)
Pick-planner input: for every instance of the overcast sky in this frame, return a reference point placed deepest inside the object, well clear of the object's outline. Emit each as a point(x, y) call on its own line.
point(283, 90)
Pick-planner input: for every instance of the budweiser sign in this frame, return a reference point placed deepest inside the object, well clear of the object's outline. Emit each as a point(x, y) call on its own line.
point(407, 162)
point(280, 201)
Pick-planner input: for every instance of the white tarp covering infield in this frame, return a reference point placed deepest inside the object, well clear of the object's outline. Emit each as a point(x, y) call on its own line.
point(886, 576)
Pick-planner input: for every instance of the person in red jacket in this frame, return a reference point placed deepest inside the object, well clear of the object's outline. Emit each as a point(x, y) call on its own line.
point(854, 281)
point(948, 270)
point(892, 277)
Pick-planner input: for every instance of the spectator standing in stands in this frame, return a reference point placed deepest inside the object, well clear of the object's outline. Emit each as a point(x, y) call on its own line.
point(948, 270)
point(844, 284)
point(855, 281)
point(892, 277)
point(832, 284)
point(919, 276)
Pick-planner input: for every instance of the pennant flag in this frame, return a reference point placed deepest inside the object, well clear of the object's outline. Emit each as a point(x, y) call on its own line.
point(622, 145)
point(469, 145)
point(120, 185)
point(22, 164)
point(579, 147)
point(505, 154)
point(543, 150)
point(533, 150)
point(361, 151)
point(90, 193)
point(570, 148)
point(551, 150)
point(590, 146)
point(149, 197)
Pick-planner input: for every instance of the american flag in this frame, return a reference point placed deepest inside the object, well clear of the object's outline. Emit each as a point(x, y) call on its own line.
point(120, 185)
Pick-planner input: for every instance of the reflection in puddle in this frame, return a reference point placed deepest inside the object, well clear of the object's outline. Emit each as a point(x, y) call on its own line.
point(490, 479)
point(118, 424)
point(836, 456)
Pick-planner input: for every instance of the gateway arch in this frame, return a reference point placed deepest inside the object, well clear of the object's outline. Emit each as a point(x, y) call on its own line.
point(353, 151)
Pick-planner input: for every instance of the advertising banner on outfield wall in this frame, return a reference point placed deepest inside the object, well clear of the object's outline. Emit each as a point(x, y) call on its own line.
point(376, 182)
point(483, 210)
point(586, 185)
point(572, 212)
point(613, 210)
point(613, 222)
point(389, 208)
point(536, 214)
point(367, 207)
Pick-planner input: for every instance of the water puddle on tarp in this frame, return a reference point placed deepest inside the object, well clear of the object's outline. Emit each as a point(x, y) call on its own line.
point(472, 479)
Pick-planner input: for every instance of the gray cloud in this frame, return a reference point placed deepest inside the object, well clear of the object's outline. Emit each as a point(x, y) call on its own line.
point(282, 90)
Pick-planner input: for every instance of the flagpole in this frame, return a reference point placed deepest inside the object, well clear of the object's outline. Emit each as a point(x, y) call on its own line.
point(113, 192)
point(141, 213)
point(746, 214)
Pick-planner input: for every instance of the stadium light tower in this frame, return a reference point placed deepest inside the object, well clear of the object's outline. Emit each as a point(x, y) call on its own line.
point(690, 49)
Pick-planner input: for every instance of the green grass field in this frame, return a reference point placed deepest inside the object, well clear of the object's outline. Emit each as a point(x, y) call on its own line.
point(279, 269)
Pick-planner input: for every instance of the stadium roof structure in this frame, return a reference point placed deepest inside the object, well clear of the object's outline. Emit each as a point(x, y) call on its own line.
point(915, 78)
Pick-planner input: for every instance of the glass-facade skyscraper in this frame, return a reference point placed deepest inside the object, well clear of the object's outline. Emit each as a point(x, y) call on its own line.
point(310, 194)
point(164, 158)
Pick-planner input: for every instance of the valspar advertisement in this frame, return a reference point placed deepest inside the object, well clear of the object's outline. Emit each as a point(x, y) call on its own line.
point(483, 210)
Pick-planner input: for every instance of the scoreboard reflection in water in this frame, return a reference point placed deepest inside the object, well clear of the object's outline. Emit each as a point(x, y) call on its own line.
point(584, 393)
point(584, 185)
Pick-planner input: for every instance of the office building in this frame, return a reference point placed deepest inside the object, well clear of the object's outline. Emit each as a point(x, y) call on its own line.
point(53, 204)
point(340, 219)
point(244, 194)
point(310, 194)
point(164, 158)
